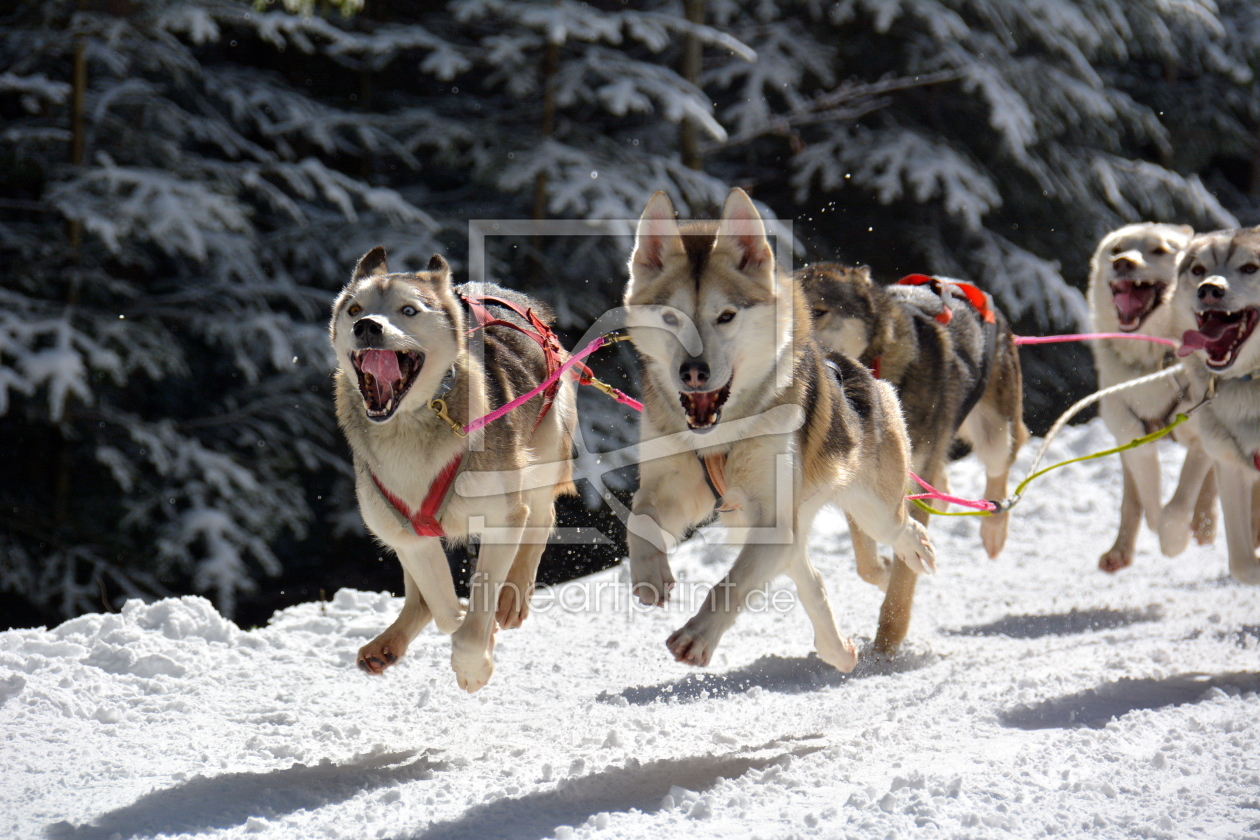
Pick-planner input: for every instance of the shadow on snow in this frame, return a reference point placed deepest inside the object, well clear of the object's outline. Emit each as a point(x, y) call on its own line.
point(1060, 624)
point(1096, 707)
point(635, 786)
point(229, 800)
point(780, 674)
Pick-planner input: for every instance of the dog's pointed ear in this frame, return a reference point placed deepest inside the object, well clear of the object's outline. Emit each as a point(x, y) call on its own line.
point(371, 264)
point(657, 236)
point(438, 264)
point(742, 222)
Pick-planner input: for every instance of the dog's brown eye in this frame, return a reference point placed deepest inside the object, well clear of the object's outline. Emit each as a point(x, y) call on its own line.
point(1249, 268)
point(670, 318)
point(354, 310)
point(818, 313)
point(726, 317)
point(1198, 270)
point(1160, 251)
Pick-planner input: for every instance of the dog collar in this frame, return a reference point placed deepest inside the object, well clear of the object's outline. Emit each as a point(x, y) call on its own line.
point(448, 382)
point(715, 476)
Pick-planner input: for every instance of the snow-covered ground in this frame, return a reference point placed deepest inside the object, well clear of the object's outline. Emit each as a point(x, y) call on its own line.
point(1035, 696)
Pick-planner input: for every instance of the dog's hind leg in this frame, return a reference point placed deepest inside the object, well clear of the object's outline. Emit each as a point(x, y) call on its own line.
point(518, 588)
point(894, 612)
point(834, 649)
point(1184, 507)
point(996, 441)
point(472, 645)
point(389, 647)
point(1237, 507)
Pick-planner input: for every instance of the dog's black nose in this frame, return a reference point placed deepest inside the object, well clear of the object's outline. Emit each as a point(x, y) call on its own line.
point(1211, 292)
point(694, 373)
point(367, 328)
point(1123, 264)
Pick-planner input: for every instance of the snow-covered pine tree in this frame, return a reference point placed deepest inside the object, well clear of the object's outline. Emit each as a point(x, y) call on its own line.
point(988, 140)
point(174, 223)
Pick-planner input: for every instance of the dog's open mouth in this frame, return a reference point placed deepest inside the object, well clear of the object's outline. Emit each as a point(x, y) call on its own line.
point(1221, 334)
point(385, 376)
point(704, 408)
point(1134, 300)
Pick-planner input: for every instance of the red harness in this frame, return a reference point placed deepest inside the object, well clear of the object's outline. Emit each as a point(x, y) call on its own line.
point(424, 522)
point(540, 332)
point(972, 293)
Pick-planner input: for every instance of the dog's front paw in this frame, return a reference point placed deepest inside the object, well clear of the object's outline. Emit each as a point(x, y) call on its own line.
point(915, 549)
point(652, 579)
point(993, 533)
point(473, 663)
point(1174, 534)
point(382, 652)
point(877, 571)
point(843, 657)
point(513, 605)
point(690, 647)
point(472, 671)
point(1115, 560)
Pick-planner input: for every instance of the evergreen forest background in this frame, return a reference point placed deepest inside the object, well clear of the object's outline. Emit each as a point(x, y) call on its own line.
point(185, 184)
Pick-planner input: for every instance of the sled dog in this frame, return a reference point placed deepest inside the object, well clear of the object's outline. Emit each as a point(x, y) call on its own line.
point(1133, 275)
point(1218, 303)
point(727, 352)
point(955, 367)
point(404, 366)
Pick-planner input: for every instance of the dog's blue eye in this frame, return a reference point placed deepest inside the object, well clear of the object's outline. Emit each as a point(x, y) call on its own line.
point(726, 317)
point(409, 311)
point(670, 318)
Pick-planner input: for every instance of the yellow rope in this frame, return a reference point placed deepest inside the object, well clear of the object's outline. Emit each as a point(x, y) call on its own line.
point(1133, 444)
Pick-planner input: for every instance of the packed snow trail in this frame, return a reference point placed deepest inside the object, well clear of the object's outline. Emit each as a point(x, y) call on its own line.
point(1035, 696)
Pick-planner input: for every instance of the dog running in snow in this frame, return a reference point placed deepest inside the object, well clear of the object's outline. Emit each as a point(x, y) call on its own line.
point(744, 412)
point(1217, 303)
point(954, 364)
point(406, 378)
point(1133, 276)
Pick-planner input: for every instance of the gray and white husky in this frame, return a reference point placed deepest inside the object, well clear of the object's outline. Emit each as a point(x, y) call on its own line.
point(1133, 275)
point(1217, 303)
point(744, 412)
point(956, 377)
point(403, 357)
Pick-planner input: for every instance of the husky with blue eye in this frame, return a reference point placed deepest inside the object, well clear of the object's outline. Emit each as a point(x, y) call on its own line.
point(745, 413)
point(408, 384)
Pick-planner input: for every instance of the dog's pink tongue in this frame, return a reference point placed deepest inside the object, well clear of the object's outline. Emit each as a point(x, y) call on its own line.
point(382, 364)
point(1192, 340)
point(1130, 301)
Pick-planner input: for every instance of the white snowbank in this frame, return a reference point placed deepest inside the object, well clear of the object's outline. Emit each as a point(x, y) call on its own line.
point(995, 721)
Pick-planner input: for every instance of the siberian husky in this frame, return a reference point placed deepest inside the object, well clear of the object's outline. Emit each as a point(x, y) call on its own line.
point(406, 379)
point(955, 367)
point(1218, 303)
point(759, 415)
point(1133, 275)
